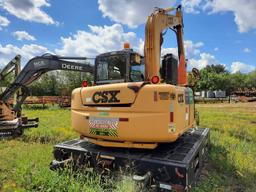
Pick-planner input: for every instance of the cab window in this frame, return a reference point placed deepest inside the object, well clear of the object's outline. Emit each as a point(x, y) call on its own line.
point(111, 68)
point(137, 68)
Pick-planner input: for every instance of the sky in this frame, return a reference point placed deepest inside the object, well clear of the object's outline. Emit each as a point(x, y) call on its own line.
point(215, 31)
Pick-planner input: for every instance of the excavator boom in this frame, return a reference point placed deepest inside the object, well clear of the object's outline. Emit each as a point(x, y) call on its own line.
point(10, 117)
point(156, 23)
point(37, 67)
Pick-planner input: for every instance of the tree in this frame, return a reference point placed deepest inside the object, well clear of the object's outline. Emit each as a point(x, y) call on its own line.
point(213, 77)
point(216, 77)
point(250, 79)
point(46, 85)
point(58, 83)
point(216, 69)
point(7, 80)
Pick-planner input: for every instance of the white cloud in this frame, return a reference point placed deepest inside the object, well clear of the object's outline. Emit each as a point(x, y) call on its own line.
point(173, 51)
point(216, 49)
point(192, 49)
point(4, 22)
point(238, 66)
point(204, 60)
point(247, 50)
point(140, 48)
point(27, 52)
point(28, 10)
point(136, 11)
point(131, 12)
point(110, 38)
point(243, 10)
point(193, 54)
point(23, 35)
point(98, 40)
point(196, 58)
point(191, 6)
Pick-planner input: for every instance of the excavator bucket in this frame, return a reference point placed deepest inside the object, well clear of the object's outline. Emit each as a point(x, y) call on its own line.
point(12, 126)
point(15, 128)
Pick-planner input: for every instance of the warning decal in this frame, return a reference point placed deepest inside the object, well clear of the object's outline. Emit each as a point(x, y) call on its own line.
point(103, 126)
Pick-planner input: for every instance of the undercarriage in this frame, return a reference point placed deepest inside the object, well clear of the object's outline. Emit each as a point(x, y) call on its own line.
point(171, 166)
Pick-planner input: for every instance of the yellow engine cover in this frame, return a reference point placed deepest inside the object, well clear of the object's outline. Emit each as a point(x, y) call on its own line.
point(132, 114)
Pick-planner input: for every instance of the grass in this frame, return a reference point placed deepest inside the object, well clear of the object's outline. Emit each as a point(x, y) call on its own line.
point(54, 125)
point(233, 147)
point(24, 162)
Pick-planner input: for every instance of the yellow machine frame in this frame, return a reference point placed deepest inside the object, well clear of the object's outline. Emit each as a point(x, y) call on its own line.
point(143, 114)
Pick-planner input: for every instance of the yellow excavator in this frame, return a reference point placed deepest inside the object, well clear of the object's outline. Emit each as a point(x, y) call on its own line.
point(140, 115)
point(137, 114)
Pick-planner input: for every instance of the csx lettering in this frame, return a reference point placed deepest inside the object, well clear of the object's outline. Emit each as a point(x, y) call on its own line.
point(71, 67)
point(105, 97)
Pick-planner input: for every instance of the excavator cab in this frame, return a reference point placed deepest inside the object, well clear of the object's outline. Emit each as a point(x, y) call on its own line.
point(119, 66)
point(129, 66)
